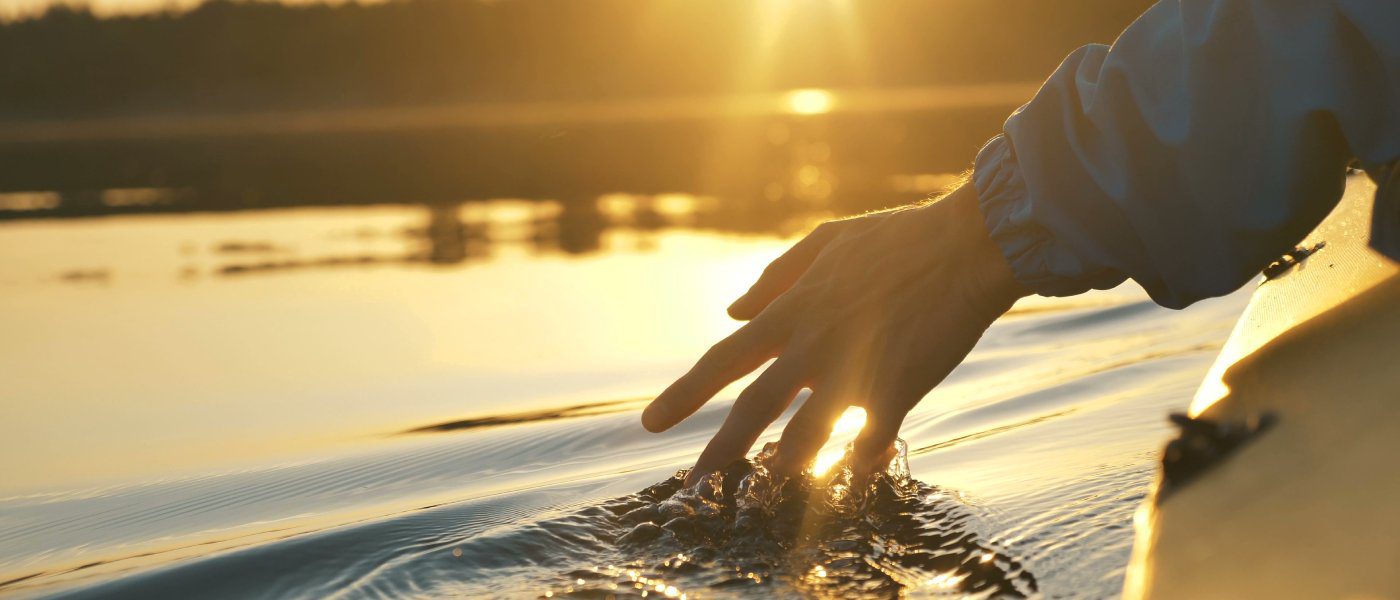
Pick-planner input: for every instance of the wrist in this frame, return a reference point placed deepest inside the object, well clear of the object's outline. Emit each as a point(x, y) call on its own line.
point(991, 275)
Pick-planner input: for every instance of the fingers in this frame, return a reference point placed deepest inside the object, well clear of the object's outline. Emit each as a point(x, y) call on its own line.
point(874, 446)
point(756, 408)
point(783, 272)
point(808, 430)
point(732, 358)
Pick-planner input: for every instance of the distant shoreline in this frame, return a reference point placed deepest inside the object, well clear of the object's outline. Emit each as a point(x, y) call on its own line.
point(505, 114)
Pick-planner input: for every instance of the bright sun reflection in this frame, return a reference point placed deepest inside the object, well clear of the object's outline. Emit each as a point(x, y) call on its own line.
point(945, 580)
point(845, 428)
point(809, 102)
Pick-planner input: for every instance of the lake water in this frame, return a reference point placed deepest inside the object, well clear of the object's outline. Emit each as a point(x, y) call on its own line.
point(337, 403)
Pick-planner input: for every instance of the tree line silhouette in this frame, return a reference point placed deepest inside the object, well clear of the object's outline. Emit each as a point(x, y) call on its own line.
point(250, 56)
point(249, 67)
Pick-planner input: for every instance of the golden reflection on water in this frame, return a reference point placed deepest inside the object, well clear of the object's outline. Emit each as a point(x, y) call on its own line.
point(945, 580)
point(647, 586)
point(166, 365)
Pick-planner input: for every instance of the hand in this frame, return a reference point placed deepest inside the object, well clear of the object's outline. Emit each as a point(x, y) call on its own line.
point(872, 311)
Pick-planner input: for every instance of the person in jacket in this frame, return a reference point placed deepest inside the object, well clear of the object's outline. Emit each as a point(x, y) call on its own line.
point(1210, 138)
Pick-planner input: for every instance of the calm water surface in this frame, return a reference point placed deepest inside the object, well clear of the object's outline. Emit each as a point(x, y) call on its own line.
point(338, 403)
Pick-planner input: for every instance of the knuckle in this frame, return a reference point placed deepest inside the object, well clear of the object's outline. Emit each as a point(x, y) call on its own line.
point(786, 307)
point(754, 405)
point(755, 393)
point(781, 307)
point(803, 426)
point(762, 326)
point(772, 269)
point(721, 351)
point(710, 366)
point(876, 437)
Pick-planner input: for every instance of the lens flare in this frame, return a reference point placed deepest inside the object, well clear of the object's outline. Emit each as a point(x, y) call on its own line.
point(846, 428)
point(809, 102)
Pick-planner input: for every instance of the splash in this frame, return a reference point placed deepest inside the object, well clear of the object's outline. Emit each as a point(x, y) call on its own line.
point(746, 530)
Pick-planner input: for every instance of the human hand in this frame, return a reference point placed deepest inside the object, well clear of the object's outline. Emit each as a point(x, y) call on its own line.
point(872, 311)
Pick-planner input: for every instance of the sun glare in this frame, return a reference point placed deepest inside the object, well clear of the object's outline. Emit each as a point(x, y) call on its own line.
point(809, 102)
point(846, 428)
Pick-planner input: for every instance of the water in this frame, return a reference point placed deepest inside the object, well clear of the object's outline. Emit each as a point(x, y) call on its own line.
point(353, 403)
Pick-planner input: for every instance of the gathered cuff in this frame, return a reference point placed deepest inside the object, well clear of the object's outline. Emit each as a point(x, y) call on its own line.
point(1029, 248)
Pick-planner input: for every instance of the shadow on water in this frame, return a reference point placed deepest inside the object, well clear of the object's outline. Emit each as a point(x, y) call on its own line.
point(568, 412)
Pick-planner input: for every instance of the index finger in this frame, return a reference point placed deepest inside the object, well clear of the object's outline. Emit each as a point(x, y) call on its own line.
point(732, 358)
point(784, 271)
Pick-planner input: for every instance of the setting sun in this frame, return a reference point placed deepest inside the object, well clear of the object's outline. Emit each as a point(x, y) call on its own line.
point(679, 298)
point(809, 102)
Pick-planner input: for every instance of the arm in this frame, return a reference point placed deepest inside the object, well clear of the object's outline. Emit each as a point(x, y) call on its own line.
point(1209, 139)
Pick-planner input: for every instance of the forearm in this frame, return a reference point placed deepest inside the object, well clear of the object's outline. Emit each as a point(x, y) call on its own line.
point(1211, 137)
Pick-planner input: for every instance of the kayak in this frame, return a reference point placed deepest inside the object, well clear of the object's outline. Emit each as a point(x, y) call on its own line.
point(1283, 481)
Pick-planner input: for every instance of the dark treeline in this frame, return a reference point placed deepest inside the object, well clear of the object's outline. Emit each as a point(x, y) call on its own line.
point(111, 115)
point(241, 56)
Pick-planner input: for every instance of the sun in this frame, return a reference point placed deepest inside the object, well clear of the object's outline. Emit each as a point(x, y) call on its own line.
point(808, 102)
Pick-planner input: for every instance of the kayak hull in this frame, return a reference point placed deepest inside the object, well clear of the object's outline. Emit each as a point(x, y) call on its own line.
point(1305, 508)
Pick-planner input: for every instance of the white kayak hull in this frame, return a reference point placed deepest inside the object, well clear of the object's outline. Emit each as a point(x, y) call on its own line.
point(1308, 507)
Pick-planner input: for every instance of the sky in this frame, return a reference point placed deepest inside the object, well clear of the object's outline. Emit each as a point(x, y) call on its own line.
point(19, 9)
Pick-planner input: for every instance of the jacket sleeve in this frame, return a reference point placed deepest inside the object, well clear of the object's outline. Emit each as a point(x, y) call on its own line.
point(1210, 138)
